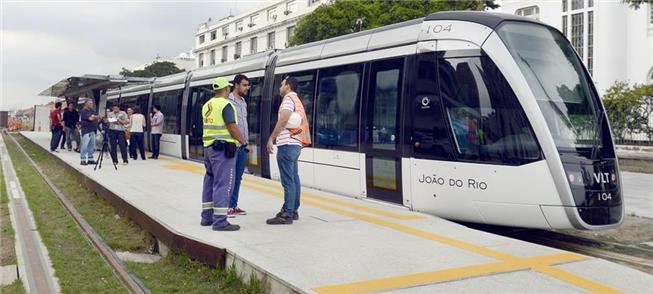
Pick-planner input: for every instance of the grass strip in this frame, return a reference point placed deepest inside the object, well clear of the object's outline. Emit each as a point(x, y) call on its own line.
point(78, 267)
point(176, 273)
point(7, 235)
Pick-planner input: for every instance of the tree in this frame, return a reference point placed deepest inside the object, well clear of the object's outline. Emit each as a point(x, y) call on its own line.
point(347, 16)
point(629, 108)
point(635, 4)
point(156, 69)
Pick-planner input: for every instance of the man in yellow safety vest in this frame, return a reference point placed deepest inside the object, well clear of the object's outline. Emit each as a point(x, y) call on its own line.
point(221, 138)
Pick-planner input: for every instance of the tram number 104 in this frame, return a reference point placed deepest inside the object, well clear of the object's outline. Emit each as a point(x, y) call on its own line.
point(438, 28)
point(604, 196)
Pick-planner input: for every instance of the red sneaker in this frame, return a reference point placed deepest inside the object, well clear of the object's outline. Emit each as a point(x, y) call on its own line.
point(239, 211)
point(231, 212)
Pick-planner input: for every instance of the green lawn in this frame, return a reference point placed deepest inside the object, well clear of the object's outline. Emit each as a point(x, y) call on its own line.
point(174, 274)
point(7, 235)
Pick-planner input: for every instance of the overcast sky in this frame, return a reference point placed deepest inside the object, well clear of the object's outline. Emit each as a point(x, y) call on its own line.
point(43, 42)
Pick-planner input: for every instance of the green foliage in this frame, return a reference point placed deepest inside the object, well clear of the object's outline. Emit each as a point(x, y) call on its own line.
point(346, 16)
point(629, 108)
point(635, 4)
point(156, 69)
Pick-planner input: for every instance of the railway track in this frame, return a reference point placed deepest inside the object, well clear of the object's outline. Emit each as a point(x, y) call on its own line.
point(131, 283)
point(629, 255)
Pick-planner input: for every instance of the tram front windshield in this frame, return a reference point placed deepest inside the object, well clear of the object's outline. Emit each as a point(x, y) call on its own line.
point(561, 87)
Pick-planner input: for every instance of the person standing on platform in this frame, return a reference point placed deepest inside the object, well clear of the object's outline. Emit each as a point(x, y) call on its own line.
point(71, 119)
point(136, 142)
point(292, 134)
point(157, 120)
point(221, 138)
point(237, 98)
point(117, 121)
point(89, 126)
point(55, 126)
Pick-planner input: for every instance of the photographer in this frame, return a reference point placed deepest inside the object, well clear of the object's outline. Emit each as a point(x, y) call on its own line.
point(117, 120)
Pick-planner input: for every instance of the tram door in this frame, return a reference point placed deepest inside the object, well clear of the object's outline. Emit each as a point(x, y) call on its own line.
point(198, 96)
point(382, 132)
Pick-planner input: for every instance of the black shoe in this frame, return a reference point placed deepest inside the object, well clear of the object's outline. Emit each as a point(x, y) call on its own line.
point(296, 216)
point(84, 163)
point(227, 228)
point(91, 162)
point(152, 157)
point(281, 218)
point(206, 223)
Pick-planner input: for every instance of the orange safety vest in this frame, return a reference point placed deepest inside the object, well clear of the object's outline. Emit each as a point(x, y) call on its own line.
point(303, 133)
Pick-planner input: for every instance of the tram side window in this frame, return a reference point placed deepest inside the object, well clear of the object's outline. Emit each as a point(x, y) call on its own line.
point(484, 114)
point(430, 135)
point(253, 117)
point(338, 106)
point(170, 102)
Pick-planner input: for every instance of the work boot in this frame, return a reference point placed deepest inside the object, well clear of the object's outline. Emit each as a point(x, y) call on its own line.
point(294, 217)
point(227, 228)
point(281, 218)
point(206, 223)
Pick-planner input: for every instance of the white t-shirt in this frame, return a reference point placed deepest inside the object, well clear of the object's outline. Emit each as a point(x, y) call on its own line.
point(137, 123)
point(284, 137)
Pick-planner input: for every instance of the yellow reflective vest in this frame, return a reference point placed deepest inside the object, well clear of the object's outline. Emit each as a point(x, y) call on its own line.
point(214, 127)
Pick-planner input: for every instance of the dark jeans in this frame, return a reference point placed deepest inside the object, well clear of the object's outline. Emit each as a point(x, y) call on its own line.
point(72, 135)
point(287, 157)
point(56, 137)
point(241, 162)
point(118, 138)
point(136, 142)
point(156, 144)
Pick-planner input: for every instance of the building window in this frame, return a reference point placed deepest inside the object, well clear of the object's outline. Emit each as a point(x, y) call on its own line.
point(213, 35)
point(239, 49)
point(224, 54)
point(291, 6)
point(202, 39)
point(200, 60)
point(239, 26)
point(252, 20)
point(212, 57)
point(253, 45)
point(576, 4)
point(225, 31)
point(272, 14)
point(290, 31)
point(271, 40)
point(531, 11)
point(564, 25)
point(577, 33)
point(590, 3)
point(564, 5)
point(590, 42)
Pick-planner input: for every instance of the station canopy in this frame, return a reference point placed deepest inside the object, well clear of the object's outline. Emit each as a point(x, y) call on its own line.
point(81, 85)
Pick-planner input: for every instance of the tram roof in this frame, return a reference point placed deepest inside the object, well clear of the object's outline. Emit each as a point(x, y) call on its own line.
point(488, 19)
point(81, 85)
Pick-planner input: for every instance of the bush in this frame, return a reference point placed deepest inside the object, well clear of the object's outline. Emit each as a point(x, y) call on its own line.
point(629, 109)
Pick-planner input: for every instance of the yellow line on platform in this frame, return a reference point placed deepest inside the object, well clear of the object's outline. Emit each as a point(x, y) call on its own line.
point(447, 275)
point(540, 264)
point(508, 262)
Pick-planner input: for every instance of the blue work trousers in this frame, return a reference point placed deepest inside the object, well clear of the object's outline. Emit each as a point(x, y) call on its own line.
point(287, 157)
point(218, 184)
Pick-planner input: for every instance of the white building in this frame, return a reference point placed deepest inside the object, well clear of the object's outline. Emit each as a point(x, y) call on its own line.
point(614, 40)
point(184, 60)
point(269, 27)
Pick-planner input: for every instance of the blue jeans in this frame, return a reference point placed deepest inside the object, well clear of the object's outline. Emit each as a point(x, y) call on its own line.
point(87, 147)
point(287, 157)
point(241, 162)
point(56, 137)
point(218, 183)
point(156, 144)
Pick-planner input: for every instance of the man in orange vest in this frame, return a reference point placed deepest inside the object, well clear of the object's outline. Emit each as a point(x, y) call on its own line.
point(290, 142)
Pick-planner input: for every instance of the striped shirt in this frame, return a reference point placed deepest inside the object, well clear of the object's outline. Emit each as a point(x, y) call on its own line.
point(284, 137)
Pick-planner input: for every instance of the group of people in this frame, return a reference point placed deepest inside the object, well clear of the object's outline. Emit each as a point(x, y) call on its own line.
point(225, 136)
point(121, 129)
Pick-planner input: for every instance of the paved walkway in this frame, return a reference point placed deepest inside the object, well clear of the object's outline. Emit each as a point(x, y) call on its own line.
point(344, 245)
point(638, 193)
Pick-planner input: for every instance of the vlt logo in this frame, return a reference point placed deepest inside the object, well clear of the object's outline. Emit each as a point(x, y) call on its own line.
point(603, 178)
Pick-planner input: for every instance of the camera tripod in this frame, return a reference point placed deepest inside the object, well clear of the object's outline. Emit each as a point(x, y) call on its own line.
point(105, 149)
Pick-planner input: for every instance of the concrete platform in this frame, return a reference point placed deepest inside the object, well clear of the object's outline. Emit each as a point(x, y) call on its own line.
point(345, 245)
